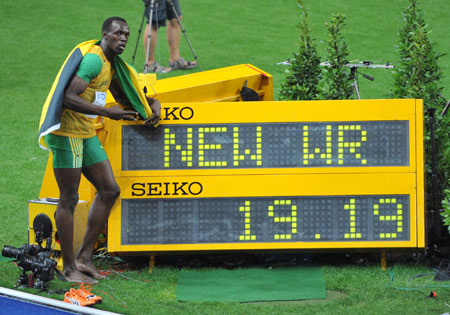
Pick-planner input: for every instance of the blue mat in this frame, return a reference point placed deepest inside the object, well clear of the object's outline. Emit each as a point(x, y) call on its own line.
point(12, 306)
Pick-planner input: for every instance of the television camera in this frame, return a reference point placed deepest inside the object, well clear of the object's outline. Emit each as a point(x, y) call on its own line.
point(34, 257)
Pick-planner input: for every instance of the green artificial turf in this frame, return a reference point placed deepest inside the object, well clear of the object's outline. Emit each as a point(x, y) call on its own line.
point(37, 36)
point(251, 284)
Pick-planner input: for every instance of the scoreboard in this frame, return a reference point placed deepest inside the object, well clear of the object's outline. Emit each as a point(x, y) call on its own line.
point(270, 175)
point(297, 145)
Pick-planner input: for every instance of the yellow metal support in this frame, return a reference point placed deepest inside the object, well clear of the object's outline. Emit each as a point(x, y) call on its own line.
point(218, 85)
point(383, 260)
point(151, 264)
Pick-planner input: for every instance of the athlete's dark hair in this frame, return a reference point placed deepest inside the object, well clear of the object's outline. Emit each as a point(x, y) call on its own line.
point(109, 21)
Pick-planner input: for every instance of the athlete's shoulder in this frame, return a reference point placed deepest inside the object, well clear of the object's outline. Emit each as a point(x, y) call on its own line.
point(90, 66)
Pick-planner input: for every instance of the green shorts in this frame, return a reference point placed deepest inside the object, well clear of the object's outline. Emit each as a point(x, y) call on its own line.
point(70, 152)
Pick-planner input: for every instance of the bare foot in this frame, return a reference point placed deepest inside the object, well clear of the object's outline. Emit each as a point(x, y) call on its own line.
point(77, 277)
point(89, 269)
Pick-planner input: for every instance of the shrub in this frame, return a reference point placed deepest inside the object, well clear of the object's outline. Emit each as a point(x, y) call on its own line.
point(417, 76)
point(338, 78)
point(304, 73)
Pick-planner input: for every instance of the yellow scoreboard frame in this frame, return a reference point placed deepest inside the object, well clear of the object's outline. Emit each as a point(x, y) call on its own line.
point(331, 170)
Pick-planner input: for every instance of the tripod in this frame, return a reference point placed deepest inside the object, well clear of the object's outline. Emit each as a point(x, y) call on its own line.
point(354, 72)
point(152, 4)
point(354, 76)
point(365, 64)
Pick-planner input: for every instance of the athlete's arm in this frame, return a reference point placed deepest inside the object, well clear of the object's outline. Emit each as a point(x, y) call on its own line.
point(73, 101)
point(118, 94)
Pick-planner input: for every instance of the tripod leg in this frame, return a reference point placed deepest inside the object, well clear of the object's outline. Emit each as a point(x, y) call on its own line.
point(184, 31)
point(355, 85)
point(149, 36)
point(353, 75)
point(444, 111)
point(139, 36)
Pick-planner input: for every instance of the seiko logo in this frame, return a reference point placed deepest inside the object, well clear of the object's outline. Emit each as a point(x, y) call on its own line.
point(177, 113)
point(166, 189)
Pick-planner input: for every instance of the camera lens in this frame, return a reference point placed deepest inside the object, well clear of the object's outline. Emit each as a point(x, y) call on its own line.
point(9, 251)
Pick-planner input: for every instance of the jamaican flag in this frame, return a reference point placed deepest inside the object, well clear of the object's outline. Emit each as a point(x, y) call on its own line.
point(53, 106)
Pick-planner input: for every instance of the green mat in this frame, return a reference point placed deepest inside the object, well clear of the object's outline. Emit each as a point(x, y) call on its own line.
point(251, 285)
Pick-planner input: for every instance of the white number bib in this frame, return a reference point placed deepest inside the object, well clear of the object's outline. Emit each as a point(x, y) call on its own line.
point(100, 100)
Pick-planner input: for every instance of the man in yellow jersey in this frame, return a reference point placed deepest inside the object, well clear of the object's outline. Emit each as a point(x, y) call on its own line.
point(77, 150)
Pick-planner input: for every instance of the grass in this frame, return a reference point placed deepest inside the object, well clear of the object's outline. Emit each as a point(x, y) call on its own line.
point(364, 289)
point(38, 36)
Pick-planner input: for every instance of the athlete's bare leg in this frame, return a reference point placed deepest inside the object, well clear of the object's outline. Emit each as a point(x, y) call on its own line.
point(101, 176)
point(68, 180)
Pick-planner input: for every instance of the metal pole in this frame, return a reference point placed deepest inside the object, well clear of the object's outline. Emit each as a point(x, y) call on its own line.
point(149, 35)
point(444, 111)
point(435, 214)
point(139, 35)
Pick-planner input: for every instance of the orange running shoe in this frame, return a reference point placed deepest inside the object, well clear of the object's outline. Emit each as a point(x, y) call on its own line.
point(86, 292)
point(74, 297)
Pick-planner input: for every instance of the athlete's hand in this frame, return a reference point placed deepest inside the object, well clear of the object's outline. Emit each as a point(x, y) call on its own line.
point(152, 121)
point(117, 113)
point(155, 106)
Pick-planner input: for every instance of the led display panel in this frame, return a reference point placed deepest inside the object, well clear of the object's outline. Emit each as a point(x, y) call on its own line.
point(270, 175)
